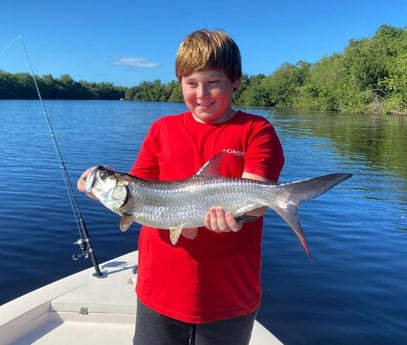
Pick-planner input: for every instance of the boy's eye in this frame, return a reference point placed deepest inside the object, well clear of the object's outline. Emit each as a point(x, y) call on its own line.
point(194, 84)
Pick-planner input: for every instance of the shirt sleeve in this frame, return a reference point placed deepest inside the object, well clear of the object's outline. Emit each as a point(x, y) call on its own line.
point(264, 154)
point(146, 165)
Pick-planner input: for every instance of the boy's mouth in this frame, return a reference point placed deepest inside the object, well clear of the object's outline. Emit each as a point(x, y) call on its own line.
point(205, 105)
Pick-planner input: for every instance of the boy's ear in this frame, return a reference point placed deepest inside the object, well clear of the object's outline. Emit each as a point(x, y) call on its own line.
point(236, 84)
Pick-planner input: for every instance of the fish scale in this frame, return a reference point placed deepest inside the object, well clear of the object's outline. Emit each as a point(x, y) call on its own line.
point(171, 204)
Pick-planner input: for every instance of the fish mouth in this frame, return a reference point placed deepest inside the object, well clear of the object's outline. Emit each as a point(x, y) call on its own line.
point(90, 180)
point(107, 186)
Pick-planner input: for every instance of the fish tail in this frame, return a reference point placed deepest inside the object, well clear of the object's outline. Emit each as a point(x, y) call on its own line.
point(293, 194)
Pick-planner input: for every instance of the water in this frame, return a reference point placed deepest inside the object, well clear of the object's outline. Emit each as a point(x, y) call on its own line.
point(353, 292)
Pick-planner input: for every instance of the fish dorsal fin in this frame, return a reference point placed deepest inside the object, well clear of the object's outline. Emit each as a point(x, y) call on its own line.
point(212, 168)
point(175, 233)
point(125, 222)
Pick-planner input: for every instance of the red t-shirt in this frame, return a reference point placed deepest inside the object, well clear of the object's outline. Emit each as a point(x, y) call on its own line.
point(217, 275)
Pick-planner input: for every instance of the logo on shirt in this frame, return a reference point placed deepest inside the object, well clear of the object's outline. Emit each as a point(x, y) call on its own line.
point(234, 152)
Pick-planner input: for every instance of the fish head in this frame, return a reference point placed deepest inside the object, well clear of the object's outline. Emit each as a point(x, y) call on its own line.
point(108, 187)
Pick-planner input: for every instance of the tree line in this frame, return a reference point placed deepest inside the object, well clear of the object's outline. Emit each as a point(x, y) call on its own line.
point(22, 86)
point(369, 76)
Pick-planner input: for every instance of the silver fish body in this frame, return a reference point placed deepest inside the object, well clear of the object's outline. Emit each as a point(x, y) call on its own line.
point(183, 204)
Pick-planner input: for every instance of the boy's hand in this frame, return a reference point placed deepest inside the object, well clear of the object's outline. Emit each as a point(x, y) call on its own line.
point(220, 221)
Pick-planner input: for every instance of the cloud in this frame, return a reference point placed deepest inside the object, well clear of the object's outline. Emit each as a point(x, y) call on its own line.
point(136, 62)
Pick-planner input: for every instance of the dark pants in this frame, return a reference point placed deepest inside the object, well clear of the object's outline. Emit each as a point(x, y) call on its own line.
point(155, 329)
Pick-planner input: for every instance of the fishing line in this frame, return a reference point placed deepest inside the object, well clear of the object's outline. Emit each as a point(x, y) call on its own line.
point(84, 242)
point(8, 45)
point(281, 98)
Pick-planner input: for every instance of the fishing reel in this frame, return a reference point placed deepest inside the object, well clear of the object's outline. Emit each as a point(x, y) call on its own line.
point(83, 250)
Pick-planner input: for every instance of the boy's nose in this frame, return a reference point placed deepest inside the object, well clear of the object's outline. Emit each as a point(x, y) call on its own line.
point(202, 90)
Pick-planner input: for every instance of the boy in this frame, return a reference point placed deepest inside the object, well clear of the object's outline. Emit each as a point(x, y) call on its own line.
point(204, 291)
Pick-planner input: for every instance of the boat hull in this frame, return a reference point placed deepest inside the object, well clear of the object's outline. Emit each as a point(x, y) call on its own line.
point(85, 309)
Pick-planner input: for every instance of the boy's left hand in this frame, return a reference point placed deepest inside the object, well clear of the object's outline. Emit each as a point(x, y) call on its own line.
point(220, 221)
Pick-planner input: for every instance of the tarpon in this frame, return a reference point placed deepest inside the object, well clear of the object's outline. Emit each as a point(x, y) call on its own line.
point(178, 205)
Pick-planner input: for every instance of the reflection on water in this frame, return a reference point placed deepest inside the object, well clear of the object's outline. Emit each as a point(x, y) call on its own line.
point(356, 232)
point(353, 292)
point(379, 140)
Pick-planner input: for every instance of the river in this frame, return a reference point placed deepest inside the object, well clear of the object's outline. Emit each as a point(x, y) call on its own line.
point(353, 292)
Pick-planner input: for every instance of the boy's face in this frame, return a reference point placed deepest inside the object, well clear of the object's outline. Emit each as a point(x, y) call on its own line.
point(208, 95)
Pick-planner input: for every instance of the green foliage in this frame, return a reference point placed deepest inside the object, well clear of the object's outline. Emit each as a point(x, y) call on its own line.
point(21, 86)
point(176, 92)
point(370, 75)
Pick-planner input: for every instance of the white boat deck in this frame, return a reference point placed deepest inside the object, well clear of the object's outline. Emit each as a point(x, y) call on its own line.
point(84, 309)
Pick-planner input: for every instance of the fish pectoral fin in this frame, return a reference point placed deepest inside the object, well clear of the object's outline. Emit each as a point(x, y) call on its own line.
point(125, 222)
point(175, 233)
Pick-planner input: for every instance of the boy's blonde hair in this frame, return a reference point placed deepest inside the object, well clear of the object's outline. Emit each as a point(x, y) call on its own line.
point(204, 50)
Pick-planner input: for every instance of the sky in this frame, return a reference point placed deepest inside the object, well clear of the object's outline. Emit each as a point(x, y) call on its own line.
point(126, 42)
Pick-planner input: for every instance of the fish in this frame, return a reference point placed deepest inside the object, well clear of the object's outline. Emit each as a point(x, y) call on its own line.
point(180, 206)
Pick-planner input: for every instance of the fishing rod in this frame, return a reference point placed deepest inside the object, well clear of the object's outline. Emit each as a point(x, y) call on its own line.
point(84, 243)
